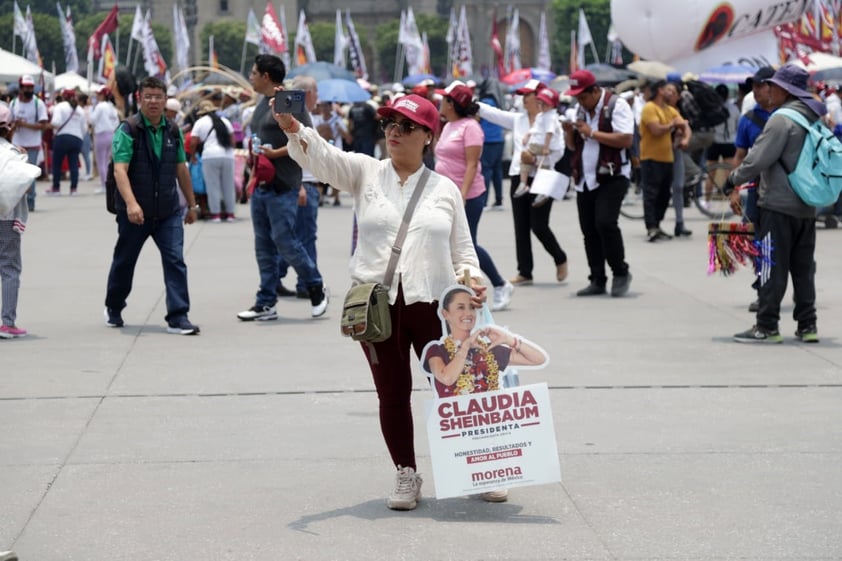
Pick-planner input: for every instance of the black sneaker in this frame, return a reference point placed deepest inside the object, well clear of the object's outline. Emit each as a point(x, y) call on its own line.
point(259, 313)
point(652, 235)
point(807, 334)
point(284, 292)
point(592, 290)
point(113, 317)
point(182, 327)
point(754, 306)
point(759, 335)
point(663, 235)
point(620, 285)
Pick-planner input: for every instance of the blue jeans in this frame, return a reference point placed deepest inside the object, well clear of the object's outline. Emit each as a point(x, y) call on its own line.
point(492, 168)
point(66, 146)
point(273, 217)
point(305, 229)
point(168, 235)
point(32, 158)
point(473, 211)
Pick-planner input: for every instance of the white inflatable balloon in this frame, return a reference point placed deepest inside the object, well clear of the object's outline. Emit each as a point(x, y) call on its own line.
point(678, 29)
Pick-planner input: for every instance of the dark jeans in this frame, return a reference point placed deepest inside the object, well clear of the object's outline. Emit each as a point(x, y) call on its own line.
point(413, 326)
point(492, 169)
point(273, 217)
point(32, 158)
point(305, 228)
point(656, 178)
point(536, 220)
point(793, 247)
point(66, 146)
point(168, 235)
point(599, 211)
point(473, 210)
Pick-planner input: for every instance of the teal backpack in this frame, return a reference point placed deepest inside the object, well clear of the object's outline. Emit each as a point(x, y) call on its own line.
point(817, 177)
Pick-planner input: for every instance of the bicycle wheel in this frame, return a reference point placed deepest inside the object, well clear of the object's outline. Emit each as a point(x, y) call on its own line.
point(714, 204)
point(632, 206)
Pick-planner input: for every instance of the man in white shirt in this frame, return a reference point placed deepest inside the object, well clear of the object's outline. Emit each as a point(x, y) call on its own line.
point(31, 119)
point(600, 138)
point(69, 123)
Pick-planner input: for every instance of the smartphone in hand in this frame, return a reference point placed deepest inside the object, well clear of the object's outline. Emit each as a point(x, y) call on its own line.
point(289, 101)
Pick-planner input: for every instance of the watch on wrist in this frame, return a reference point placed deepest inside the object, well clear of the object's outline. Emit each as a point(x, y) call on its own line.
point(197, 208)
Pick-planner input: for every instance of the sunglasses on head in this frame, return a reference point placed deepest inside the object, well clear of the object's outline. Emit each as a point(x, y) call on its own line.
point(406, 126)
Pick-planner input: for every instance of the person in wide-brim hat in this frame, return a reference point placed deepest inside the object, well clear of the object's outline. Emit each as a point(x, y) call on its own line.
point(793, 80)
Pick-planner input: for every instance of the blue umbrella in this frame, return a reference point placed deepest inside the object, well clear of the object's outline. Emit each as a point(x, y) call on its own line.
point(341, 91)
point(322, 71)
point(727, 74)
point(414, 79)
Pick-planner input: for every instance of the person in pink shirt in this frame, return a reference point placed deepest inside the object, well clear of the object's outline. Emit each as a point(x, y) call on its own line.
point(458, 152)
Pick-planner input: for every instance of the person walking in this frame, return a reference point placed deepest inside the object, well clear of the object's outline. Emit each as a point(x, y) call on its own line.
point(528, 218)
point(786, 231)
point(212, 139)
point(31, 120)
point(600, 138)
point(437, 251)
point(657, 123)
point(69, 124)
point(457, 152)
point(104, 120)
point(274, 203)
point(149, 167)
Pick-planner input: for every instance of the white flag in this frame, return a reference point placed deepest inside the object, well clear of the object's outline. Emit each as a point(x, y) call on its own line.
point(512, 58)
point(584, 37)
point(182, 38)
point(339, 42)
point(21, 29)
point(305, 52)
point(413, 45)
point(355, 50)
point(464, 62)
point(543, 44)
point(29, 42)
point(71, 57)
point(252, 29)
point(153, 62)
point(138, 24)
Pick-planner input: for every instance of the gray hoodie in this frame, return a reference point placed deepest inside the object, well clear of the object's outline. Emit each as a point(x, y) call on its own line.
point(780, 141)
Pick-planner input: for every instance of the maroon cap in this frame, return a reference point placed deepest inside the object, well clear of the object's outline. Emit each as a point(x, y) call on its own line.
point(415, 108)
point(460, 93)
point(531, 86)
point(580, 81)
point(549, 96)
point(68, 93)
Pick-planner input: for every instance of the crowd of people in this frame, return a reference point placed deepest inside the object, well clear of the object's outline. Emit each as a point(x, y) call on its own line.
point(432, 140)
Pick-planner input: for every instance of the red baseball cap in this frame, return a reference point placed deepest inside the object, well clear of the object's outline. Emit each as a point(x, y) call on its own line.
point(580, 81)
point(415, 108)
point(68, 93)
point(531, 86)
point(459, 92)
point(26, 80)
point(549, 96)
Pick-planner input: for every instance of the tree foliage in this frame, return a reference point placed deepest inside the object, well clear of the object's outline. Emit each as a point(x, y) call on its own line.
point(387, 39)
point(227, 42)
point(566, 17)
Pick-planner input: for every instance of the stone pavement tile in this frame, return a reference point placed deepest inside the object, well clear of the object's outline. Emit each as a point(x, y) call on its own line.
point(292, 510)
point(756, 506)
point(21, 490)
point(42, 431)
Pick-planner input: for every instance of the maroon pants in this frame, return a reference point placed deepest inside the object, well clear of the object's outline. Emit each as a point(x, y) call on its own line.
point(413, 326)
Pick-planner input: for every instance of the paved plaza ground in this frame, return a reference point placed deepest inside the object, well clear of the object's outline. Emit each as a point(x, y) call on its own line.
point(260, 441)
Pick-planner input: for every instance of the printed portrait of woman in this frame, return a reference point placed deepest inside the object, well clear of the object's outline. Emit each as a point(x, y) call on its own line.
point(472, 358)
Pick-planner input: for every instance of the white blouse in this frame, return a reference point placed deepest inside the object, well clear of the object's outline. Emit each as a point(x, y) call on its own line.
point(438, 245)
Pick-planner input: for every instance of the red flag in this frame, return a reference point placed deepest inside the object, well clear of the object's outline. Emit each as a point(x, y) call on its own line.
point(497, 47)
point(108, 26)
point(272, 34)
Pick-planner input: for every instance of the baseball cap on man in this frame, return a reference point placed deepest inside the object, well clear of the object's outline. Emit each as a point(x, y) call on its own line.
point(531, 86)
point(26, 80)
point(415, 108)
point(580, 81)
point(761, 75)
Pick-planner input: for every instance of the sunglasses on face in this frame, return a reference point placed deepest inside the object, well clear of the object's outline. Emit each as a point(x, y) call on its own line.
point(405, 126)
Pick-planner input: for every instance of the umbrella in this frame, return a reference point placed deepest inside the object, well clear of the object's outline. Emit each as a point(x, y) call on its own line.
point(73, 81)
point(342, 91)
point(607, 75)
point(727, 74)
point(651, 69)
point(520, 77)
point(321, 71)
point(827, 75)
point(414, 79)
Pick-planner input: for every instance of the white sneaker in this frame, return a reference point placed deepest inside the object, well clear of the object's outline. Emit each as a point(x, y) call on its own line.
point(259, 313)
point(520, 191)
point(99, 190)
point(319, 308)
point(407, 490)
point(502, 296)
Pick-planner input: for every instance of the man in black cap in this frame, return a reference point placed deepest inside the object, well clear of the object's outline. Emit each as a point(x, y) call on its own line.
point(786, 226)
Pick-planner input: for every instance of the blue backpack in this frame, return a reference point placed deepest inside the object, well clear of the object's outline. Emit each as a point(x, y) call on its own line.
point(817, 177)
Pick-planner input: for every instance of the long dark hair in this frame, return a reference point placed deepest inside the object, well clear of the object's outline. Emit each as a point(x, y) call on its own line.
point(223, 135)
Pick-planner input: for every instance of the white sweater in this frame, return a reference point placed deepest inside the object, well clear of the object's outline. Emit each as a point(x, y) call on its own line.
point(438, 245)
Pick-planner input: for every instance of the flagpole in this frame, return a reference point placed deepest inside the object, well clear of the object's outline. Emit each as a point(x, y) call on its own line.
point(243, 56)
point(398, 63)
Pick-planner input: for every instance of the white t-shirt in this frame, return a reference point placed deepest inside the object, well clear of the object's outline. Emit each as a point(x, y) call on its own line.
point(33, 111)
point(204, 131)
point(104, 117)
point(73, 119)
point(622, 121)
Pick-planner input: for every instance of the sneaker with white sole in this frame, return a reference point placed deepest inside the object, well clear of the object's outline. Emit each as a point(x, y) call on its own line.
point(407, 490)
point(11, 332)
point(182, 327)
point(319, 299)
point(496, 496)
point(759, 335)
point(502, 296)
point(259, 313)
point(113, 318)
point(8, 556)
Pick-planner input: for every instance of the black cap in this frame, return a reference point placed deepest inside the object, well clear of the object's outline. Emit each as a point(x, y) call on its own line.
point(761, 75)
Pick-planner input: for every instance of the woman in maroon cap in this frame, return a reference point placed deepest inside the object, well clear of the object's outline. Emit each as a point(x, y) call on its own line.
point(436, 253)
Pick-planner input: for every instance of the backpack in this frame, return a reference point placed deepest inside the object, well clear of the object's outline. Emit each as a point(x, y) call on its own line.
point(703, 107)
point(817, 177)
